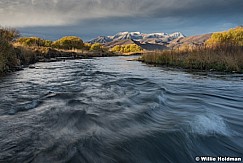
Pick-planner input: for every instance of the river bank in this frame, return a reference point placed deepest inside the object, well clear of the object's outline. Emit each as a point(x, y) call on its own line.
point(223, 52)
point(222, 59)
point(17, 52)
point(26, 56)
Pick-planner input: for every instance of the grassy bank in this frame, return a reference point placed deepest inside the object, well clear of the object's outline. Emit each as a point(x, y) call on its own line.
point(222, 52)
point(14, 57)
point(220, 58)
point(16, 51)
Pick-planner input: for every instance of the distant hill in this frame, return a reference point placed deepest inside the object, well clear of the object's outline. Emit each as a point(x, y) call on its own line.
point(151, 46)
point(145, 46)
point(191, 40)
point(101, 39)
point(119, 42)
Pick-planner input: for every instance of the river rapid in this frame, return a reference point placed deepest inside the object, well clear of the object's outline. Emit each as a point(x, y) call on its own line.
point(112, 110)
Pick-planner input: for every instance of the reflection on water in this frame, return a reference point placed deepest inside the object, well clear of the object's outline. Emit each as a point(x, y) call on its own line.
point(112, 110)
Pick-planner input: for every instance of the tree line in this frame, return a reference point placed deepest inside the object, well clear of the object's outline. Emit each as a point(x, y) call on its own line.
point(16, 50)
point(65, 43)
point(232, 37)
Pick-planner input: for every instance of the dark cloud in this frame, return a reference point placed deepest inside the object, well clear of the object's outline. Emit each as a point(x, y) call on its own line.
point(89, 18)
point(203, 8)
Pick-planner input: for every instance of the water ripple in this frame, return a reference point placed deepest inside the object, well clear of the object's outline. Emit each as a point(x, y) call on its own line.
point(110, 110)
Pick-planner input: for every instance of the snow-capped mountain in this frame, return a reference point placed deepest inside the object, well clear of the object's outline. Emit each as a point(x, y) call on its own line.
point(155, 35)
point(126, 35)
point(141, 37)
point(101, 39)
point(176, 35)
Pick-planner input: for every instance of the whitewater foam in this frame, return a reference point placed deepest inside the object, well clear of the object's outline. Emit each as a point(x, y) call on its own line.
point(210, 124)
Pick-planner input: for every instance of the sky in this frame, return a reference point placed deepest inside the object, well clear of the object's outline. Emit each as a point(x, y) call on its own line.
point(52, 19)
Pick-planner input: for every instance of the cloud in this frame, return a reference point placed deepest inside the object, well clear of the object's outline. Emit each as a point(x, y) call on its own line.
point(62, 12)
point(52, 18)
point(29, 13)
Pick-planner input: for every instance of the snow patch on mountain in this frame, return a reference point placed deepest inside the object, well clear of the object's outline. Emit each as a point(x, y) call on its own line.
point(138, 36)
point(176, 35)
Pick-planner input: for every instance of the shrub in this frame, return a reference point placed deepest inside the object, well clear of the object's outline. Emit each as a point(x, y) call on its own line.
point(26, 55)
point(127, 48)
point(34, 41)
point(96, 47)
point(8, 56)
point(9, 34)
point(69, 43)
point(87, 46)
point(233, 37)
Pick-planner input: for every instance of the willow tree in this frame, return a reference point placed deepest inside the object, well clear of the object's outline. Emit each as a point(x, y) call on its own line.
point(233, 37)
point(34, 41)
point(96, 47)
point(68, 43)
point(129, 48)
point(8, 56)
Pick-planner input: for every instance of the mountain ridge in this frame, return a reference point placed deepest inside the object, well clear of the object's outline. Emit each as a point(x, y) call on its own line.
point(153, 41)
point(138, 36)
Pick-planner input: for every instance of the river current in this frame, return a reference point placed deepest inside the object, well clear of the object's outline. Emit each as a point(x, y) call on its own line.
point(112, 110)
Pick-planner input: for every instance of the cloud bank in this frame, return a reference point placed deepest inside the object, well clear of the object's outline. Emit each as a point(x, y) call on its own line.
point(113, 15)
point(20, 13)
point(62, 12)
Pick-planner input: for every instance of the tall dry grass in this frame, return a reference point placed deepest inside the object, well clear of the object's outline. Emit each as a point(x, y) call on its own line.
point(218, 58)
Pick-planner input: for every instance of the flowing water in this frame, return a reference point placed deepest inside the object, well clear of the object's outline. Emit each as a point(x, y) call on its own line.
point(113, 110)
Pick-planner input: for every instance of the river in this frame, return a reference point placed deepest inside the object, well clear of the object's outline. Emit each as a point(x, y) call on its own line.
point(113, 110)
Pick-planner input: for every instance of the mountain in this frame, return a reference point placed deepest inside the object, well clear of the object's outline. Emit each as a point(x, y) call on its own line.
point(151, 46)
point(101, 39)
point(155, 35)
point(152, 41)
point(176, 35)
point(138, 36)
point(191, 40)
point(126, 35)
point(119, 42)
